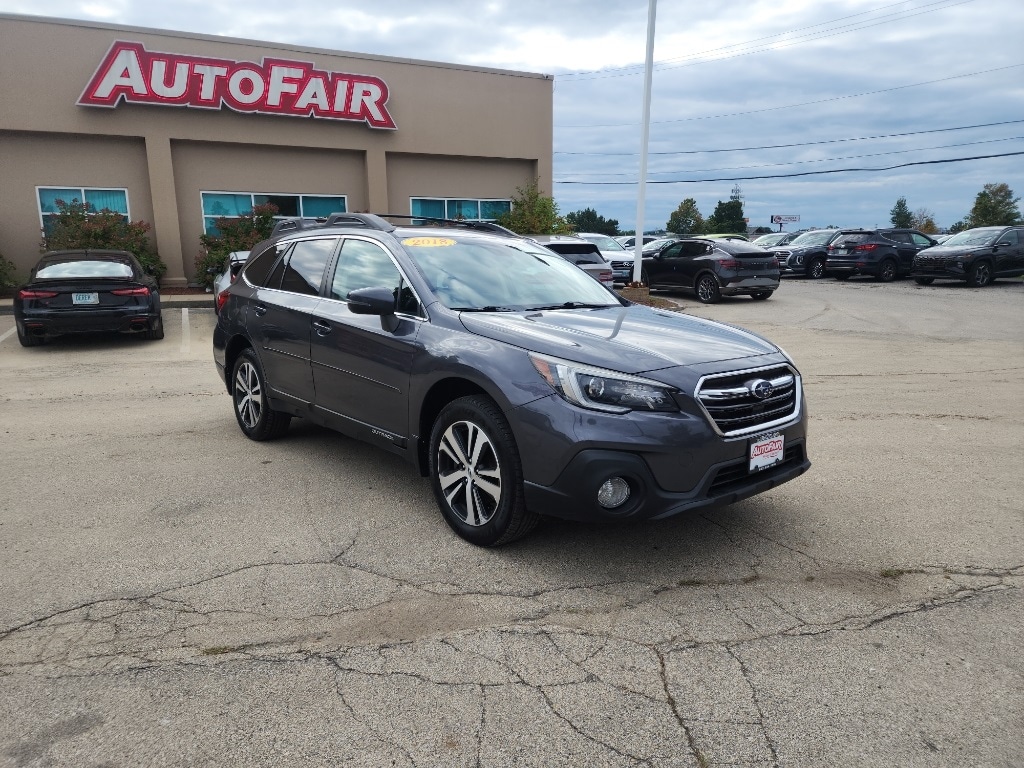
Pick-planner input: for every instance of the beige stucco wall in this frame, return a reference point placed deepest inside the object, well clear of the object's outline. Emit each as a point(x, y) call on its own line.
point(460, 132)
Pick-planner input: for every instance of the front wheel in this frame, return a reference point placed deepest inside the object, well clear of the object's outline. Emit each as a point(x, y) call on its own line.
point(761, 295)
point(476, 473)
point(816, 269)
point(252, 404)
point(707, 289)
point(924, 280)
point(980, 275)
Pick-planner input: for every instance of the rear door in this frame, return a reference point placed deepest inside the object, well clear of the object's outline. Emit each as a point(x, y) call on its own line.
point(1010, 258)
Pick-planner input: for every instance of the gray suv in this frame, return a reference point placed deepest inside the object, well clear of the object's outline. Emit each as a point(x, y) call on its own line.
point(518, 384)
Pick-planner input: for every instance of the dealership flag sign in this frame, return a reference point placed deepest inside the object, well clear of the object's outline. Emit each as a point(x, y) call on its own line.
point(275, 87)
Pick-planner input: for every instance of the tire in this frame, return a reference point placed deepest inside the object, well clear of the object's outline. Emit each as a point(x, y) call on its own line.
point(816, 269)
point(886, 271)
point(761, 295)
point(924, 280)
point(476, 473)
point(980, 275)
point(30, 340)
point(706, 288)
point(251, 405)
point(156, 332)
point(645, 278)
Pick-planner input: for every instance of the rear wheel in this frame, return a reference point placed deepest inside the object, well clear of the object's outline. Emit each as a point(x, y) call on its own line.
point(761, 295)
point(252, 405)
point(980, 275)
point(156, 331)
point(707, 289)
point(887, 271)
point(476, 473)
point(28, 339)
point(924, 280)
point(816, 269)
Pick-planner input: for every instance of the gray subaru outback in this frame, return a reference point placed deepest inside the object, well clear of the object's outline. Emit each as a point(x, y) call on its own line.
point(518, 384)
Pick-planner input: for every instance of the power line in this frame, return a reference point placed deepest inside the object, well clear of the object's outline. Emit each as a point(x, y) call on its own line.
point(803, 104)
point(794, 175)
point(578, 77)
point(798, 144)
point(806, 162)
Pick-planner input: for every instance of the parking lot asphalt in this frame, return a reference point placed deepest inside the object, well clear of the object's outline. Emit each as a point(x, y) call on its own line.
point(174, 594)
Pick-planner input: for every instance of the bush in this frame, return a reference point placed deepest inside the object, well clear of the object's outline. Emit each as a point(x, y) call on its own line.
point(534, 214)
point(77, 225)
point(8, 278)
point(236, 234)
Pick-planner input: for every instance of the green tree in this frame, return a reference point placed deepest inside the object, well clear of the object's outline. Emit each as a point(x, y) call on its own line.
point(79, 225)
point(924, 221)
point(728, 217)
point(686, 219)
point(995, 206)
point(587, 220)
point(534, 214)
point(900, 215)
point(959, 226)
point(239, 233)
point(8, 278)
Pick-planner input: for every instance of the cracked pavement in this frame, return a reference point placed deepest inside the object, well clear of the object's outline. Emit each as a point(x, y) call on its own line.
point(174, 594)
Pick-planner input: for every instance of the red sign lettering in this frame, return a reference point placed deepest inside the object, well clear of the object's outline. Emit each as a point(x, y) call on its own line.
point(132, 74)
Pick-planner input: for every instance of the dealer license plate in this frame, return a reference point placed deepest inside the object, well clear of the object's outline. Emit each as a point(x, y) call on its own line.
point(766, 451)
point(85, 298)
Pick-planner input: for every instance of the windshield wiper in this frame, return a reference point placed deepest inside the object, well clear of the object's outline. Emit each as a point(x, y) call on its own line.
point(571, 305)
point(491, 308)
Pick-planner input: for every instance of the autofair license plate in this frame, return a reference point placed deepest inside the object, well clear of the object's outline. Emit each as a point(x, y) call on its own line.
point(85, 298)
point(766, 451)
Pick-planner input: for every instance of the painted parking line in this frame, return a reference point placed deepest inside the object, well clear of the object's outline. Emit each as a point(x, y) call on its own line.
point(186, 334)
point(3, 337)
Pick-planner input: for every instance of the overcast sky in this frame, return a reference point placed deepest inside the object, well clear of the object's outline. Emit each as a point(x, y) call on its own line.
point(732, 82)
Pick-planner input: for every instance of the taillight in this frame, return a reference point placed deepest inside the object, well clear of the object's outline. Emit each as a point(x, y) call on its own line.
point(143, 291)
point(866, 247)
point(27, 294)
point(730, 263)
point(222, 299)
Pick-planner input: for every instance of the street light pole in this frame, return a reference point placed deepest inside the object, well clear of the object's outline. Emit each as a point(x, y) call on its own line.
point(644, 137)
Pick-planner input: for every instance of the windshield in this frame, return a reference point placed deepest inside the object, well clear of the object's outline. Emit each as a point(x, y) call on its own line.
point(495, 275)
point(603, 242)
point(814, 238)
point(654, 245)
point(974, 237)
point(774, 239)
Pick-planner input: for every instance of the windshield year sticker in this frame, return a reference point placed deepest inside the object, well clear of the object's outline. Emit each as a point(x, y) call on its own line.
point(428, 242)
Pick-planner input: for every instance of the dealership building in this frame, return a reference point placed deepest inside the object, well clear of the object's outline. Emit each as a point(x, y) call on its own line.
point(179, 129)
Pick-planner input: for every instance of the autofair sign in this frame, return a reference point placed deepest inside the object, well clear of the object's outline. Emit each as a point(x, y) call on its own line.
point(783, 218)
point(275, 87)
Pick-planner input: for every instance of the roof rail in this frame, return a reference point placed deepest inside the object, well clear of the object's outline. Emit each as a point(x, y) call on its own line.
point(481, 226)
point(366, 220)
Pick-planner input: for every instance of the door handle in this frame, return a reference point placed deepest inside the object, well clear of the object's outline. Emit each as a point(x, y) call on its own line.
point(321, 328)
point(260, 310)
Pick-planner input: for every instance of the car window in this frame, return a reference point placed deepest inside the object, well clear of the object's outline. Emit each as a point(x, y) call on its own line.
point(920, 239)
point(814, 238)
point(852, 238)
point(673, 251)
point(84, 268)
point(973, 237)
point(604, 242)
point(257, 271)
point(305, 265)
point(364, 264)
point(1010, 237)
point(899, 237)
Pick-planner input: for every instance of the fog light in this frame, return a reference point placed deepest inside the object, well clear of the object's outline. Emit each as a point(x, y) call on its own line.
point(613, 493)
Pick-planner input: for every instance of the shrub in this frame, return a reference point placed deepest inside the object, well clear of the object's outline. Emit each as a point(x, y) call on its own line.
point(8, 278)
point(534, 214)
point(78, 225)
point(236, 234)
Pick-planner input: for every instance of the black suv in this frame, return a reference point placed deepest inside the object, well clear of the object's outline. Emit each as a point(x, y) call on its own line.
point(518, 384)
point(978, 255)
point(806, 254)
point(884, 254)
point(712, 269)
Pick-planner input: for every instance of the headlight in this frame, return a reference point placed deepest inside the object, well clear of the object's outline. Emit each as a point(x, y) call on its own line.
point(603, 390)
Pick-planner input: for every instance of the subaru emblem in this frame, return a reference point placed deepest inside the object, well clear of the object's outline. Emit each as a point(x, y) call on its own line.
point(761, 389)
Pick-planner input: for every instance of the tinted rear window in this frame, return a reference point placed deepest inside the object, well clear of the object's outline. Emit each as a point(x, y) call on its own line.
point(77, 269)
point(852, 239)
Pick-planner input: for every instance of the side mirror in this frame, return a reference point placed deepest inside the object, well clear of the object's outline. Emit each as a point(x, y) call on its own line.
point(372, 301)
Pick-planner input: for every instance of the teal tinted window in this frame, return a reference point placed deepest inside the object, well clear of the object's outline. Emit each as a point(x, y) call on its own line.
point(463, 209)
point(424, 207)
point(226, 204)
point(316, 206)
point(49, 196)
point(492, 209)
point(115, 200)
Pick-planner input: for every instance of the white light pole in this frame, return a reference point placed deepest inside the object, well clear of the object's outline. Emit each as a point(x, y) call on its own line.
point(644, 136)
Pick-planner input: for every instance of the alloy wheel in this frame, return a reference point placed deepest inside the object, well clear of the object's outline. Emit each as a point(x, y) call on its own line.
point(248, 395)
point(469, 473)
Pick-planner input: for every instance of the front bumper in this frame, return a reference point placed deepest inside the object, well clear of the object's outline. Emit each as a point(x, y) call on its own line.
point(672, 462)
point(948, 270)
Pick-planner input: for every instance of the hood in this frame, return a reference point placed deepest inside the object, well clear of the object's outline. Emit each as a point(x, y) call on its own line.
point(632, 339)
point(954, 250)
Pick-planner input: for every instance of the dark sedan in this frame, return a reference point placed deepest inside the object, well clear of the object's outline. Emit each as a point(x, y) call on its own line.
point(87, 291)
point(711, 269)
point(518, 384)
point(978, 256)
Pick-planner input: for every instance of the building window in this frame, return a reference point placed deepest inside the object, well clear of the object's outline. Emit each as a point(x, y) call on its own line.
point(95, 198)
point(459, 208)
point(235, 204)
